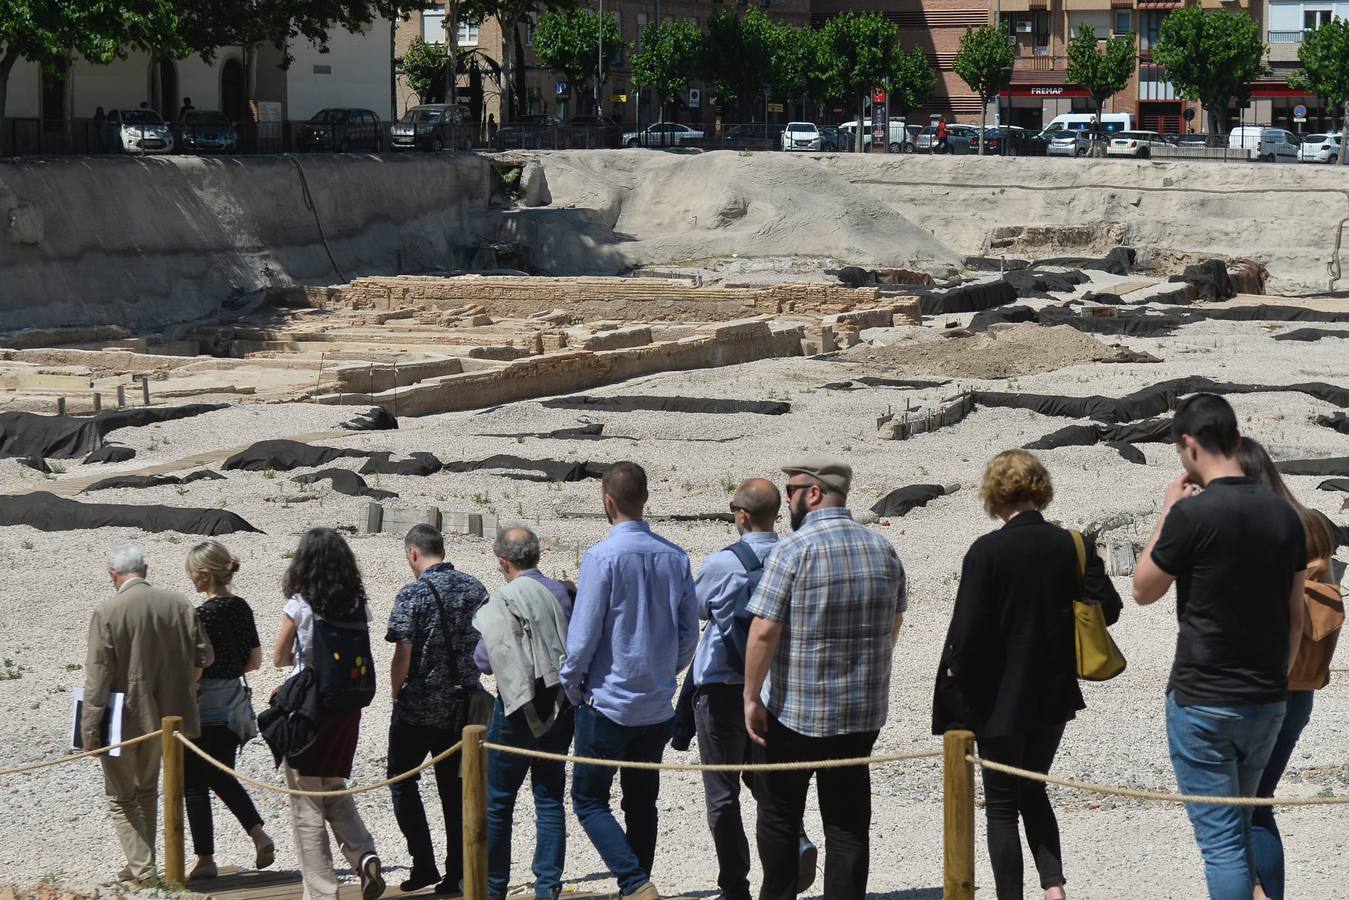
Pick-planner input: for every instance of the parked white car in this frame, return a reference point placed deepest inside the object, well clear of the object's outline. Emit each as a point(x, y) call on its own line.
point(1265, 144)
point(1323, 148)
point(1066, 143)
point(1137, 144)
point(802, 136)
point(662, 134)
point(900, 139)
point(137, 131)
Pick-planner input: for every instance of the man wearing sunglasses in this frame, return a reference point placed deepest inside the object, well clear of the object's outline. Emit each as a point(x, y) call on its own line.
point(817, 676)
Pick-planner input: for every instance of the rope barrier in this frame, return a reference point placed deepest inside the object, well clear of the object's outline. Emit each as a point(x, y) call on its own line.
point(717, 767)
point(1154, 795)
point(60, 761)
point(296, 792)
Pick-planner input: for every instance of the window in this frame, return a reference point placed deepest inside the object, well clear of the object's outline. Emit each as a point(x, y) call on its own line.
point(433, 25)
point(468, 34)
point(1315, 18)
point(641, 26)
point(1124, 21)
point(615, 55)
point(531, 22)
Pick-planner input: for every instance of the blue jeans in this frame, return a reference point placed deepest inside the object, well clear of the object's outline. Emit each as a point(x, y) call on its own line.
point(1222, 751)
point(1265, 840)
point(505, 774)
point(628, 854)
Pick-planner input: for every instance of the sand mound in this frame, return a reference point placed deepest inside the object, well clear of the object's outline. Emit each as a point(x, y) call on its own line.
point(634, 208)
point(1019, 350)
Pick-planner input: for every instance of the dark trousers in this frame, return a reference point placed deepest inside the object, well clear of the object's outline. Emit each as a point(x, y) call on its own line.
point(630, 851)
point(1265, 840)
point(1007, 798)
point(409, 745)
point(505, 775)
point(719, 716)
point(845, 807)
point(200, 778)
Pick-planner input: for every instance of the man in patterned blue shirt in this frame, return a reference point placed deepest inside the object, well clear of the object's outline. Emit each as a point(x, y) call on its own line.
point(431, 626)
point(826, 617)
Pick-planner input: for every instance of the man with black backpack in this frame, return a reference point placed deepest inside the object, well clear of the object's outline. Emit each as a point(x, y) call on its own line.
point(724, 585)
point(432, 677)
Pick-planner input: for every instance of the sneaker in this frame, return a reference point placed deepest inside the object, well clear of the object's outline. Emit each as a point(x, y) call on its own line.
point(372, 877)
point(417, 880)
point(202, 871)
point(807, 858)
point(645, 892)
point(450, 886)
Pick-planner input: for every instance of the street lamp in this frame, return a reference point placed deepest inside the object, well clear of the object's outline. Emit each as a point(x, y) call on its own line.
point(1002, 126)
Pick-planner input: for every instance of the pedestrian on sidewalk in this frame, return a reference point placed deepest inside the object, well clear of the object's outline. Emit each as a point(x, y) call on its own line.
point(817, 676)
point(633, 629)
point(1237, 554)
point(1009, 666)
point(1310, 670)
point(524, 640)
point(323, 585)
point(431, 678)
point(226, 707)
point(147, 645)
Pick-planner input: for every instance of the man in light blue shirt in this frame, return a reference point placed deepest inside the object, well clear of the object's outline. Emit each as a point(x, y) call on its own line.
point(725, 581)
point(633, 628)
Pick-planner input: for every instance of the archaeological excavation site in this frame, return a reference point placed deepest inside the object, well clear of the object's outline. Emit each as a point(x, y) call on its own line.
point(245, 348)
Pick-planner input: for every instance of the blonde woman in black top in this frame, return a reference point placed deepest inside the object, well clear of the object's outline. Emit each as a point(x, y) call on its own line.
point(1009, 667)
point(226, 710)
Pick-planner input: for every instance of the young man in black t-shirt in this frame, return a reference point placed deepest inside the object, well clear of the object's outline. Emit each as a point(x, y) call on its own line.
point(1236, 553)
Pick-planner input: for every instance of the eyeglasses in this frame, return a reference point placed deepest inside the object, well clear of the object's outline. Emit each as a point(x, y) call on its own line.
point(793, 488)
point(736, 509)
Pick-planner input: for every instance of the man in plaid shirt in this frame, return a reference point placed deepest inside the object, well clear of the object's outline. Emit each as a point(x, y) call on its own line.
point(817, 676)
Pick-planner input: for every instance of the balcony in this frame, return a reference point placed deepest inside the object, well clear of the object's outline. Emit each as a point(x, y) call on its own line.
point(1286, 37)
point(1283, 45)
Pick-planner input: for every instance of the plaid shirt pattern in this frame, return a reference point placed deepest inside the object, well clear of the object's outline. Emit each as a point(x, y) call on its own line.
point(835, 587)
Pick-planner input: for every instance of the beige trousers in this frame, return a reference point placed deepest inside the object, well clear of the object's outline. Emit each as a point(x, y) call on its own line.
point(310, 817)
point(131, 782)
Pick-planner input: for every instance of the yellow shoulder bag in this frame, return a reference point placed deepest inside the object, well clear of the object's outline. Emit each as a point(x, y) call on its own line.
point(1098, 658)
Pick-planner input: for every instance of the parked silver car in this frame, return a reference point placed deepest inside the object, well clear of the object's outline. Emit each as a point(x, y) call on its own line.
point(137, 131)
point(207, 131)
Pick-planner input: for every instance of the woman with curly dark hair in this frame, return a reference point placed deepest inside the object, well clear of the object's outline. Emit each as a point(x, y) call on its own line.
point(323, 580)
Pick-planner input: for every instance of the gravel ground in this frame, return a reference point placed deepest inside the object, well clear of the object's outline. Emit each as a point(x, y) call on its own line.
point(1112, 848)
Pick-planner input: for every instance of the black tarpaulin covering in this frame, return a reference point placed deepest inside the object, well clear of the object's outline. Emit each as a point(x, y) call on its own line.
point(1036, 282)
point(1129, 452)
point(377, 418)
point(1209, 279)
point(1104, 297)
point(149, 481)
point(641, 402)
point(345, 481)
point(418, 464)
point(551, 469)
point(36, 463)
point(901, 500)
point(48, 512)
point(1268, 312)
point(1119, 261)
point(971, 297)
point(701, 517)
point(1009, 314)
point(1339, 534)
point(66, 437)
point(578, 433)
point(1149, 431)
point(1330, 465)
point(1310, 334)
point(1338, 421)
point(869, 381)
point(110, 453)
point(1127, 321)
point(283, 455)
point(1334, 484)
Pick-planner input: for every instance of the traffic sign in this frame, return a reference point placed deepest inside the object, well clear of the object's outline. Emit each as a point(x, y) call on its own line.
point(1300, 112)
point(775, 107)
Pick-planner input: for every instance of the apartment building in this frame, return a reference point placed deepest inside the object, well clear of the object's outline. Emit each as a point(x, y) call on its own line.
point(1272, 100)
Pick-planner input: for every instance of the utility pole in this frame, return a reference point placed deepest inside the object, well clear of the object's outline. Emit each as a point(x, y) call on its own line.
point(599, 66)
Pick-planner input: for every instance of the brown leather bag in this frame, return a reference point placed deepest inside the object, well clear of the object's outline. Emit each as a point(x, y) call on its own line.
point(1324, 615)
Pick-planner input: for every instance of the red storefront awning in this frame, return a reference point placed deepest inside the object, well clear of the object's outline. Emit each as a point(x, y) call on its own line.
point(1278, 90)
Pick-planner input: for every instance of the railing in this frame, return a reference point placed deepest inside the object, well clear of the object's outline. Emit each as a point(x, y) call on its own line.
point(1286, 37)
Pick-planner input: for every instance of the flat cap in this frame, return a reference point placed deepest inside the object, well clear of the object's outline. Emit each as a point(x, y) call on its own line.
point(832, 473)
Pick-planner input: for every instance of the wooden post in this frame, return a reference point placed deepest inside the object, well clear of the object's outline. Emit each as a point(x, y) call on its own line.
point(145, 389)
point(60, 406)
point(174, 864)
point(121, 396)
point(958, 797)
point(474, 759)
point(98, 402)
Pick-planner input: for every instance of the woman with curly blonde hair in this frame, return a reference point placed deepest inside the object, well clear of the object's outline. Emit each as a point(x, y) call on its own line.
point(1009, 667)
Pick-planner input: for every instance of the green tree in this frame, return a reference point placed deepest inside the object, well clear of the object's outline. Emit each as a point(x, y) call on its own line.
point(1209, 56)
point(861, 51)
point(426, 67)
point(912, 82)
point(1324, 55)
point(1102, 72)
point(797, 66)
point(50, 32)
point(984, 62)
point(738, 56)
point(568, 41)
point(668, 59)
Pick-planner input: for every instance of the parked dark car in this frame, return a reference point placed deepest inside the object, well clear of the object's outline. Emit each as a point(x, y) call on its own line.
point(997, 136)
point(835, 140)
point(1195, 140)
point(533, 132)
point(756, 136)
point(594, 132)
point(207, 131)
point(339, 129)
point(432, 127)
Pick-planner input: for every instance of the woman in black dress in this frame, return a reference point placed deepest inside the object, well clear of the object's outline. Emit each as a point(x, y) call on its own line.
point(1009, 666)
point(227, 719)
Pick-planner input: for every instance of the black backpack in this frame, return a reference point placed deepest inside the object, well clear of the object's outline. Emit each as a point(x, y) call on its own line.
point(343, 668)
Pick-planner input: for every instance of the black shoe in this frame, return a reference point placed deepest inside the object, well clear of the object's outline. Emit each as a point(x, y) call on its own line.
point(418, 880)
point(372, 878)
point(450, 886)
point(807, 857)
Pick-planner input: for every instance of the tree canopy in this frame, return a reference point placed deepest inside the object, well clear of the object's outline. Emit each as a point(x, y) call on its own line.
point(1209, 56)
point(913, 80)
point(1324, 55)
point(737, 59)
point(667, 59)
point(425, 67)
point(1102, 71)
point(984, 62)
point(860, 52)
point(568, 41)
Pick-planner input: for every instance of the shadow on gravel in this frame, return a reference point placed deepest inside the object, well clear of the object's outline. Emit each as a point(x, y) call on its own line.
point(909, 894)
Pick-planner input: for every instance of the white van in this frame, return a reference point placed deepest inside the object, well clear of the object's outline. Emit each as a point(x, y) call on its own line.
point(1081, 122)
point(898, 135)
point(1264, 143)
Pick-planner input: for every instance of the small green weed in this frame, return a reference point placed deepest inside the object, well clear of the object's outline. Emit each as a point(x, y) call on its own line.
point(269, 473)
point(27, 545)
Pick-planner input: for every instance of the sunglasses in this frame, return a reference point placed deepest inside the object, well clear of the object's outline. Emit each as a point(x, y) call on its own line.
point(793, 488)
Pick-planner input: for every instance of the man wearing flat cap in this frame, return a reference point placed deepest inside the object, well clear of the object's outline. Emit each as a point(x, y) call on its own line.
point(817, 676)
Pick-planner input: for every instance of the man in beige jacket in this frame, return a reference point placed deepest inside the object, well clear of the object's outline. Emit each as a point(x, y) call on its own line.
point(148, 645)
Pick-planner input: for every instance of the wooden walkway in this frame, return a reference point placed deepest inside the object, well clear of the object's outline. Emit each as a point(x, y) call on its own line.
point(282, 884)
